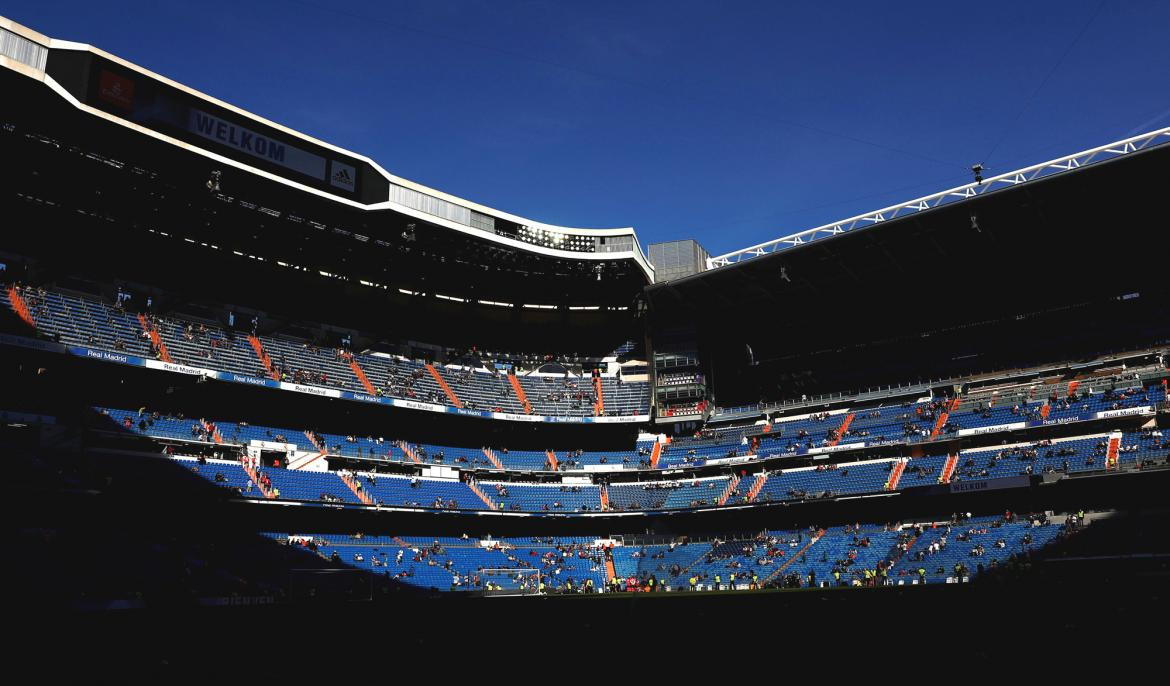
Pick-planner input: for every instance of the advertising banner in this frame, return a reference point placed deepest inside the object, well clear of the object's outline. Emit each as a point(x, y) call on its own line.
point(258, 145)
point(979, 430)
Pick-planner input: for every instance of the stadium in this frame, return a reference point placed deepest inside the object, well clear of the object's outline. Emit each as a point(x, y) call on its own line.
point(249, 375)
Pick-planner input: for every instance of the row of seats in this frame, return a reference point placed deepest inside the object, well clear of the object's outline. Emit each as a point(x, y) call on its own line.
point(826, 481)
point(668, 495)
point(563, 498)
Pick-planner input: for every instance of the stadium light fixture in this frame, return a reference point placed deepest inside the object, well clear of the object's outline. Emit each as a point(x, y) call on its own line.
point(213, 181)
point(977, 169)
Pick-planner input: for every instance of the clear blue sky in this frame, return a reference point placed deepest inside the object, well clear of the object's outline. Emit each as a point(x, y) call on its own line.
point(731, 123)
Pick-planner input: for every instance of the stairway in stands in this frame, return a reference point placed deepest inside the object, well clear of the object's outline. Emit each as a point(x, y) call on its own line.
point(610, 571)
point(1112, 455)
point(151, 331)
point(943, 416)
point(355, 486)
point(761, 479)
point(896, 475)
point(842, 429)
point(896, 554)
point(255, 477)
point(491, 456)
point(482, 496)
point(264, 358)
point(519, 391)
point(443, 385)
point(361, 376)
point(949, 468)
point(728, 491)
point(604, 498)
point(20, 307)
point(552, 460)
point(211, 429)
point(795, 557)
point(599, 406)
point(406, 448)
point(655, 454)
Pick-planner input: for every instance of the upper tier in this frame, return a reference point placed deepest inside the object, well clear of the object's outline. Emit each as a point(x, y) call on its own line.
point(200, 348)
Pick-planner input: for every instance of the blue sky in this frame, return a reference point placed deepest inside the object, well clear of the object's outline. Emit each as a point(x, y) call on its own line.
point(731, 123)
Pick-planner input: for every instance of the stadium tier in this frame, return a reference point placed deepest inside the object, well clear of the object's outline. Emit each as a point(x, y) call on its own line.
point(91, 327)
point(863, 555)
point(304, 475)
point(979, 412)
point(860, 556)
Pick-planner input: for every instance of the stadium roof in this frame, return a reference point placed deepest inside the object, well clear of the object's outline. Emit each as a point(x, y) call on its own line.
point(34, 55)
point(952, 195)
